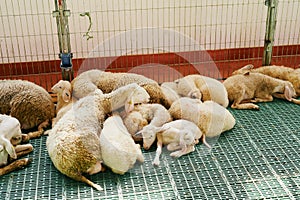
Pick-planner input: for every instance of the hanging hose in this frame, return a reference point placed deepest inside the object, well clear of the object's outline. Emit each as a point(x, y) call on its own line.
point(87, 34)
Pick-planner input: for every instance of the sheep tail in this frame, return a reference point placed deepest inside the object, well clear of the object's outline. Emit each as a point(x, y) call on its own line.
point(87, 181)
point(205, 142)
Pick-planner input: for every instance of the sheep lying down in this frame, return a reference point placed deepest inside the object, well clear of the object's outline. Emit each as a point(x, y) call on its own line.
point(73, 143)
point(180, 136)
point(119, 151)
point(10, 147)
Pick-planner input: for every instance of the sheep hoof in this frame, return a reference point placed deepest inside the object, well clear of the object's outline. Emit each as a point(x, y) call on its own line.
point(156, 162)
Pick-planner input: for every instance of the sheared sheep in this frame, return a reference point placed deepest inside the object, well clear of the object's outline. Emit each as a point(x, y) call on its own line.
point(119, 152)
point(29, 103)
point(203, 88)
point(246, 89)
point(211, 118)
point(280, 72)
point(63, 89)
point(156, 115)
point(180, 135)
point(170, 91)
point(90, 80)
point(73, 143)
point(10, 136)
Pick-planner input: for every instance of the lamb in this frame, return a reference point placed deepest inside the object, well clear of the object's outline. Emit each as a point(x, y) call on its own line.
point(170, 91)
point(63, 89)
point(203, 88)
point(156, 115)
point(134, 122)
point(10, 136)
point(91, 80)
point(73, 143)
point(29, 103)
point(211, 118)
point(280, 72)
point(248, 88)
point(119, 152)
point(180, 135)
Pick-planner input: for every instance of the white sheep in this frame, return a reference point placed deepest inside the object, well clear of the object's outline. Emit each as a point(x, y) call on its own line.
point(73, 143)
point(119, 152)
point(203, 88)
point(63, 90)
point(211, 118)
point(170, 91)
point(280, 72)
point(179, 136)
point(156, 115)
point(10, 139)
point(31, 104)
point(90, 80)
point(134, 122)
point(248, 88)
point(9, 128)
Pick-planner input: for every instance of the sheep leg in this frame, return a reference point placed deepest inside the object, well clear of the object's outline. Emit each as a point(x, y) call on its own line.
point(266, 99)
point(173, 146)
point(244, 106)
point(282, 96)
point(95, 169)
point(40, 131)
point(205, 142)
point(18, 164)
point(87, 181)
point(22, 150)
point(183, 151)
point(158, 150)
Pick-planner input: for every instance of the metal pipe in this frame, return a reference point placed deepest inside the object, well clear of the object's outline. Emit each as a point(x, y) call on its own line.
point(270, 30)
point(62, 14)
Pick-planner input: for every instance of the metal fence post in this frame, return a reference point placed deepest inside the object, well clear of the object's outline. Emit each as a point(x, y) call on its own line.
point(270, 30)
point(62, 14)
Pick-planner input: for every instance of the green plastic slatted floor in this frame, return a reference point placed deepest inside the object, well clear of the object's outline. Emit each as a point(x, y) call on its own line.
point(258, 159)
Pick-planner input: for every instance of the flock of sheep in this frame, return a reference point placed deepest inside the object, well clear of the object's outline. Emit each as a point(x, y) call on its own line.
point(101, 117)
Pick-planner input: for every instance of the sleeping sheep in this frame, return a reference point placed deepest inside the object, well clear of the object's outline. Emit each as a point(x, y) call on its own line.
point(29, 103)
point(73, 143)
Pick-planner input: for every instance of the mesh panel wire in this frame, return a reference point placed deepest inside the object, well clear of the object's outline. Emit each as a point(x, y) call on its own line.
point(258, 159)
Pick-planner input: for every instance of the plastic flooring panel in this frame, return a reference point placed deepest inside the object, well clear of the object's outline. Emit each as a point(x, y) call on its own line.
point(258, 159)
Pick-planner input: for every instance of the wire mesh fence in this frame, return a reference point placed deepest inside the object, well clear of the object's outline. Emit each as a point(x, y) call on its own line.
point(188, 36)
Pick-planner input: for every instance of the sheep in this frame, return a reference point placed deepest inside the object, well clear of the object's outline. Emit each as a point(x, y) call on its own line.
point(211, 118)
point(203, 88)
point(63, 89)
point(119, 152)
point(29, 103)
point(248, 88)
point(134, 122)
point(73, 143)
point(180, 135)
point(170, 91)
point(91, 80)
point(280, 72)
point(156, 115)
point(10, 136)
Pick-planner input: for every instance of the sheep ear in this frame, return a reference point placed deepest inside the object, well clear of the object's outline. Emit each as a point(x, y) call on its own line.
point(129, 106)
point(288, 93)
point(138, 134)
point(9, 148)
point(247, 73)
point(248, 67)
point(66, 95)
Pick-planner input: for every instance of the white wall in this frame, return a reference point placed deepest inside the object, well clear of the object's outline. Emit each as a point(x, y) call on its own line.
point(28, 31)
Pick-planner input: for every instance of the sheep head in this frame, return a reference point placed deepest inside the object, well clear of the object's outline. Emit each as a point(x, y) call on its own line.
point(10, 129)
point(138, 95)
point(64, 89)
point(148, 133)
